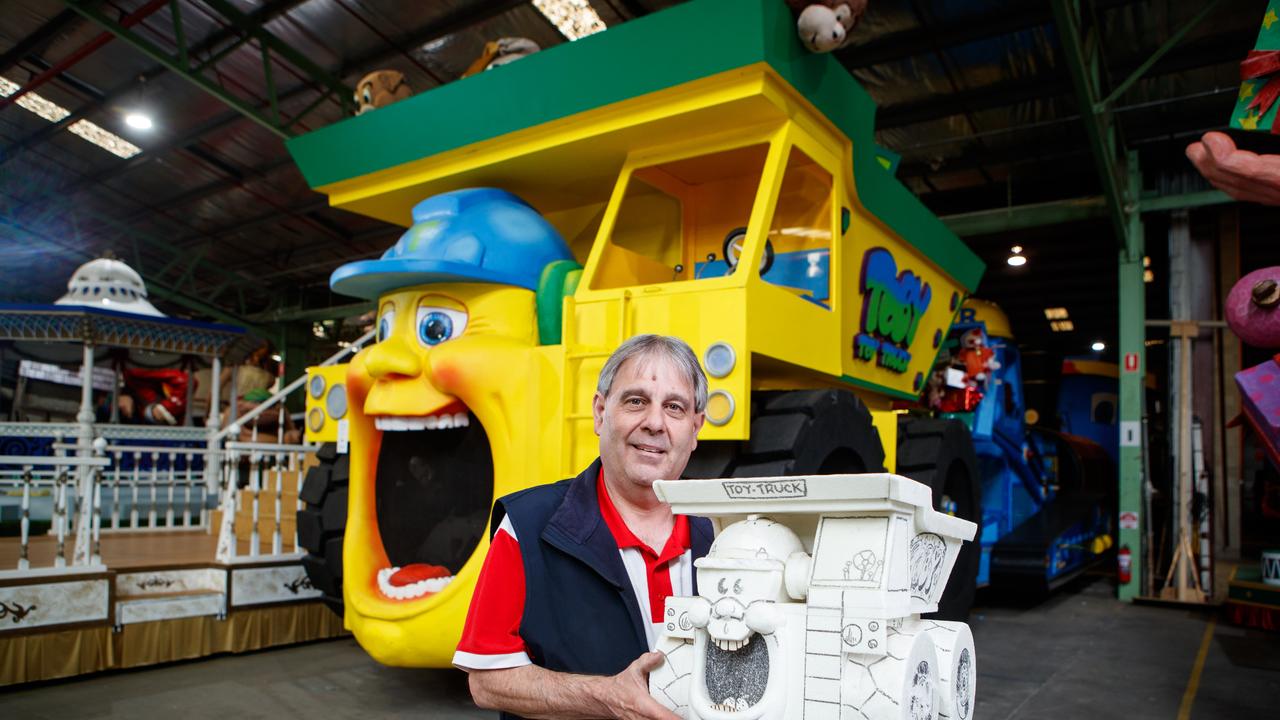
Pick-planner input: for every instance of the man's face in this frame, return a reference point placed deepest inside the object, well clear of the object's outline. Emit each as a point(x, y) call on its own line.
point(647, 424)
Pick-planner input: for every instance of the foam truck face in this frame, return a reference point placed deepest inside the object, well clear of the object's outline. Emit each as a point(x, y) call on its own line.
point(434, 408)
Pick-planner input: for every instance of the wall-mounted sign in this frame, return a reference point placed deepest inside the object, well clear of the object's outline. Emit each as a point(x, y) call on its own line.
point(892, 306)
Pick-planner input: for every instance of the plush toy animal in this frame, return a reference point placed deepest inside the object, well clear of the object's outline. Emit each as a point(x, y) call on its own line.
point(379, 89)
point(500, 52)
point(825, 26)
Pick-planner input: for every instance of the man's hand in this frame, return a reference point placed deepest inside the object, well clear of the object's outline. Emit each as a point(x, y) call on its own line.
point(536, 692)
point(631, 698)
point(1243, 175)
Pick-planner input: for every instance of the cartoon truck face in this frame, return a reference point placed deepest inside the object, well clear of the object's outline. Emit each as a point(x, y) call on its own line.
point(811, 603)
point(435, 405)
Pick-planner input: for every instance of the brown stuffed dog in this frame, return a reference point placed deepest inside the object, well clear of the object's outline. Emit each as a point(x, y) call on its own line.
point(825, 26)
point(379, 89)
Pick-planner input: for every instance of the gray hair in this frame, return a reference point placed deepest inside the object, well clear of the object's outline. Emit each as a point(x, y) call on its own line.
point(670, 347)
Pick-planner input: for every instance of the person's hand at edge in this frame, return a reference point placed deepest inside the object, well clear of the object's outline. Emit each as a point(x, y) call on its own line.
point(1244, 175)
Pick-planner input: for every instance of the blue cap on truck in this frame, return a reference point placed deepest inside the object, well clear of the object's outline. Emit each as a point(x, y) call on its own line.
point(474, 235)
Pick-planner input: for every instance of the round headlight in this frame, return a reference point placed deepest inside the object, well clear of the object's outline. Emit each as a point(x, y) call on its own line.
point(315, 419)
point(719, 359)
point(336, 403)
point(315, 386)
point(720, 407)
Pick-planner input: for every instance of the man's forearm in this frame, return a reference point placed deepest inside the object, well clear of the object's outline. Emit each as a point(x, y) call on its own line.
point(535, 692)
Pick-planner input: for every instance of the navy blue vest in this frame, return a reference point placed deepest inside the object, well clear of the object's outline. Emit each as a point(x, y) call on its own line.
point(580, 611)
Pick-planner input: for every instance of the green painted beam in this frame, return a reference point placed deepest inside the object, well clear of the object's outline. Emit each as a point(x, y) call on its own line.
point(1155, 203)
point(1160, 52)
point(1082, 63)
point(1021, 217)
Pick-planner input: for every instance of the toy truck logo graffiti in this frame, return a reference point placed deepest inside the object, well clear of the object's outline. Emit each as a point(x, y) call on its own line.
point(770, 489)
point(893, 304)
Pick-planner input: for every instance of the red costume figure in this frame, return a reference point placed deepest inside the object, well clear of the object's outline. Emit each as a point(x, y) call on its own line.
point(978, 359)
point(160, 396)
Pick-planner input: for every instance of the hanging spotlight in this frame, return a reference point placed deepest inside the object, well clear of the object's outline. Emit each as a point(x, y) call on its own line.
point(138, 121)
point(1099, 346)
point(1017, 259)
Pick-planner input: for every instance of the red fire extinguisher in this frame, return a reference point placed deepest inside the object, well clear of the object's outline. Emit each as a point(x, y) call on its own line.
point(1125, 559)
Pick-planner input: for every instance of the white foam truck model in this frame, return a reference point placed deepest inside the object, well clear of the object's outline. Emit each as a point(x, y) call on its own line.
point(809, 603)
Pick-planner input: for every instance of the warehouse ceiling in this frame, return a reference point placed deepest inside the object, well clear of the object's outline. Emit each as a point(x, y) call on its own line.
point(977, 98)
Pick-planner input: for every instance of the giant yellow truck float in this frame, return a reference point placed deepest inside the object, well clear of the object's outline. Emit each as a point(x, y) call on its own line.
point(694, 173)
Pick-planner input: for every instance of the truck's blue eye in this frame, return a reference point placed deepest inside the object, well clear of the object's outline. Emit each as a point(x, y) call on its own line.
point(437, 324)
point(385, 323)
point(435, 328)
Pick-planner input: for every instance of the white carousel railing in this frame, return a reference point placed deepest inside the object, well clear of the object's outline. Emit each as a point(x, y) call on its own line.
point(281, 455)
point(64, 494)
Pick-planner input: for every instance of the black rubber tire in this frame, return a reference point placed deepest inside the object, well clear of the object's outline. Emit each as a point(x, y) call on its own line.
point(323, 521)
point(939, 453)
point(796, 432)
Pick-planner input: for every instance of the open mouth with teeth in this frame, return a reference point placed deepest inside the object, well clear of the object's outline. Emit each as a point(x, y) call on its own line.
point(736, 672)
point(433, 493)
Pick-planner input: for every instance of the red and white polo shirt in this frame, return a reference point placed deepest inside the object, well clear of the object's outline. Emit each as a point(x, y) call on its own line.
point(491, 637)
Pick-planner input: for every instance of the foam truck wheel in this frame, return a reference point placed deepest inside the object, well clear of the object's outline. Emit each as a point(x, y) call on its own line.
point(323, 521)
point(808, 432)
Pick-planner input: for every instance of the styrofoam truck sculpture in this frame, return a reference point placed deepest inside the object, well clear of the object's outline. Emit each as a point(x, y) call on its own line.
point(809, 603)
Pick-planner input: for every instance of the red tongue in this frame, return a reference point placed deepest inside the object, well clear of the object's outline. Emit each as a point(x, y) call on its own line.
point(417, 572)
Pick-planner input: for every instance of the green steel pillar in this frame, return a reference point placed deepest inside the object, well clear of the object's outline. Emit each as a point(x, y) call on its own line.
point(1132, 399)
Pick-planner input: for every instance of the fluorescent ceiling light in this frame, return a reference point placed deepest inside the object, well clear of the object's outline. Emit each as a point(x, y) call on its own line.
point(574, 18)
point(53, 112)
point(1098, 346)
point(138, 121)
point(1061, 325)
point(1055, 313)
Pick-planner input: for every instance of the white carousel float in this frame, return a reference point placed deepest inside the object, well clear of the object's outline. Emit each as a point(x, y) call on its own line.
point(167, 520)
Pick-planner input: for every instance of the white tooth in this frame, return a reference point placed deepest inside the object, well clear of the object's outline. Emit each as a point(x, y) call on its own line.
point(461, 420)
point(748, 640)
point(431, 422)
point(446, 422)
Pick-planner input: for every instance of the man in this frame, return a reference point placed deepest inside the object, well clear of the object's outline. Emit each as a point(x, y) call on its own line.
point(568, 606)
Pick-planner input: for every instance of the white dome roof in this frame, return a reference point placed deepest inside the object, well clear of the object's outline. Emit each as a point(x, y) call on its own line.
point(108, 284)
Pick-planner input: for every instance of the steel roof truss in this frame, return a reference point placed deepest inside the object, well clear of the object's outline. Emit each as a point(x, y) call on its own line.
point(248, 28)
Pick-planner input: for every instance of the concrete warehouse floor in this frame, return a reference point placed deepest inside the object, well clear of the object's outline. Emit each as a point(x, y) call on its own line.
point(1079, 654)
